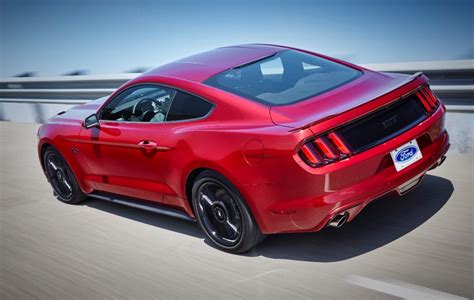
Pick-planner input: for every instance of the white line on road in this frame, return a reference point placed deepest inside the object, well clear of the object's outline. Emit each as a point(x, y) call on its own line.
point(400, 289)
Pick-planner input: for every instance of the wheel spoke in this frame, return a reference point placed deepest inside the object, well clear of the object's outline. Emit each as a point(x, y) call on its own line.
point(205, 203)
point(52, 165)
point(232, 227)
point(206, 199)
point(67, 185)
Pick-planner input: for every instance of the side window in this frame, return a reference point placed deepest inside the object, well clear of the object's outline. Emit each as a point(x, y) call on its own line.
point(310, 67)
point(272, 69)
point(186, 106)
point(144, 103)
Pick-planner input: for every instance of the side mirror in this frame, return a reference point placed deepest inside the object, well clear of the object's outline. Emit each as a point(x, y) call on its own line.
point(91, 121)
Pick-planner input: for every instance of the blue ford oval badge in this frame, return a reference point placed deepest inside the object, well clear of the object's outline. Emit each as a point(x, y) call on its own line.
point(406, 153)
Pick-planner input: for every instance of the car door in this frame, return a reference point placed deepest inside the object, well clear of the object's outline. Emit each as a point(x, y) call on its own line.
point(180, 131)
point(123, 152)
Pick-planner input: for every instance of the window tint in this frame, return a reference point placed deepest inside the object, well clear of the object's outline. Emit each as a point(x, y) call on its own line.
point(144, 103)
point(287, 77)
point(186, 106)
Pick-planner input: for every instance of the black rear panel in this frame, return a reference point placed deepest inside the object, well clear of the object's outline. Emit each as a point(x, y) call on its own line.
point(383, 124)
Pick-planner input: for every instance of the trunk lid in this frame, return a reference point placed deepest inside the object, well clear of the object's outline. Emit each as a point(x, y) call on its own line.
point(383, 87)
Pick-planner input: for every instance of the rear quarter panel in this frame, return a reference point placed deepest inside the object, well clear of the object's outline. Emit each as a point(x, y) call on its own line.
point(256, 159)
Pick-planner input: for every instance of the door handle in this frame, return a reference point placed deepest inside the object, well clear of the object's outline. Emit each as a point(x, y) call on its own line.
point(149, 145)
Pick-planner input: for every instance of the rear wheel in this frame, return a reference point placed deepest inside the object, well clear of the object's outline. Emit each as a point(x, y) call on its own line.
point(61, 178)
point(223, 214)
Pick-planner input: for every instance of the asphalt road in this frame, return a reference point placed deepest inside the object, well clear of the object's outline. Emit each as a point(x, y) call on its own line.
point(419, 245)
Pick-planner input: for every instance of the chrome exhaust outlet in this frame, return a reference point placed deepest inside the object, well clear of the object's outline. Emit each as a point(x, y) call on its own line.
point(338, 220)
point(441, 161)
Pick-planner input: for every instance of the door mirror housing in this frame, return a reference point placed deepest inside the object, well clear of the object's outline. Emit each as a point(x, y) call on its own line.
point(91, 121)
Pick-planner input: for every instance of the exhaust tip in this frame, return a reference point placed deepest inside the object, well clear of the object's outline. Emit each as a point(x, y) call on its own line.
point(338, 220)
point(441, 161)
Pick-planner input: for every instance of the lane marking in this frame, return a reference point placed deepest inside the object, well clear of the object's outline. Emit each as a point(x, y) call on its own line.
point(401, 289)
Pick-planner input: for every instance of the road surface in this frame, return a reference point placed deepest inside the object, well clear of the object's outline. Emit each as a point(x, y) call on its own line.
point(419, 245)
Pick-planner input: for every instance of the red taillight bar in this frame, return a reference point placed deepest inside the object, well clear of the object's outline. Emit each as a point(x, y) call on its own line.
point(424, 101)
point(311, 154)
point(326, 148)
point(427, 99)
point(433, 98)
point(339, 143)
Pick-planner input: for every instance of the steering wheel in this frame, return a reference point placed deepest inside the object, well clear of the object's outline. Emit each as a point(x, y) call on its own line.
point(146, 106)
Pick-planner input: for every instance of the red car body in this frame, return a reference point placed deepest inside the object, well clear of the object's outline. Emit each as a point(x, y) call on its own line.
point(255, 146)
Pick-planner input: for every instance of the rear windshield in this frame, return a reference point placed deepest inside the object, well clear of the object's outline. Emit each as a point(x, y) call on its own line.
point(286, 77)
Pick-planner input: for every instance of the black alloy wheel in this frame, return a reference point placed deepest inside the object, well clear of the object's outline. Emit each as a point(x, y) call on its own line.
point(61, 177)
point(223, 214)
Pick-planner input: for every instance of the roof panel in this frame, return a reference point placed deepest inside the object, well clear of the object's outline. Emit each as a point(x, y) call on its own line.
point(201, 66)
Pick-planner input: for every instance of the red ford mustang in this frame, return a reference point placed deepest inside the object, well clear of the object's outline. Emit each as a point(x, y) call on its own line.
point(249, 140)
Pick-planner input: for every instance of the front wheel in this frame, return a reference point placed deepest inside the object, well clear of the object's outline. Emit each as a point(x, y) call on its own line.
point(61, 178)
point(223, 214)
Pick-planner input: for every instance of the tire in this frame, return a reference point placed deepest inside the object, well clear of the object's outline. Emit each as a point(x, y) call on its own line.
point(223, 214)
point(61, 178)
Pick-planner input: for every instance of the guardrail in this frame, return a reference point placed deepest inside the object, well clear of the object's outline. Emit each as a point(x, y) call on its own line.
point(81, 96)
point(453, 82)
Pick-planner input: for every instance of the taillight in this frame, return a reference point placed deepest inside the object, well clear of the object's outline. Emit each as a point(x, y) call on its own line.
point(327, 149)
point(311, 155)
point(340, 143)
point(324, 149)
point(427, 99)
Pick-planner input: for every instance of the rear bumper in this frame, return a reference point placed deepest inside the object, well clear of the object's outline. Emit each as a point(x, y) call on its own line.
point(389, 182)
point(310, 197)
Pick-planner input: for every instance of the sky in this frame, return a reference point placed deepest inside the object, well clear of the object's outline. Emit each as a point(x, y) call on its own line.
point(53, 37)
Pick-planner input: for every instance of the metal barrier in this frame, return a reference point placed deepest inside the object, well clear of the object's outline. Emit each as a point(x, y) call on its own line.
point(453, 82)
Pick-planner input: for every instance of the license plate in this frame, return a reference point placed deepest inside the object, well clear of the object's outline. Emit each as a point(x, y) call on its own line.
point(406, 155)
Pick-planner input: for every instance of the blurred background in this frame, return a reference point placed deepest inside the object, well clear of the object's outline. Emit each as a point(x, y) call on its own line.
point(55, 37)
point(60, 53)
point(55, 54)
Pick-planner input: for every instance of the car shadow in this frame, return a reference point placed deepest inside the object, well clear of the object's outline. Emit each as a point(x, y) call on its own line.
point(381, 222)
